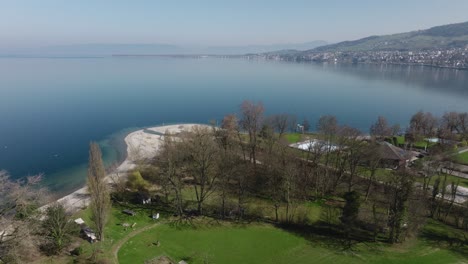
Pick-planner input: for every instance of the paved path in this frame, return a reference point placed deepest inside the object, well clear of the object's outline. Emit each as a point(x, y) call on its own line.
point(455, 173)
point(462, 150)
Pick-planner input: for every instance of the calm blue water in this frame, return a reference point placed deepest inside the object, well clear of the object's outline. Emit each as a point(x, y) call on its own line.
point(50, 109)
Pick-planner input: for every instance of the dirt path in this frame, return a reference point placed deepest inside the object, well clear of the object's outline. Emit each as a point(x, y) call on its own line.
point(115, 249)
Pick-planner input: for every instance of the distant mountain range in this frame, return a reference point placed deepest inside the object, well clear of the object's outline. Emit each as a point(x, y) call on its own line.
point(155, 49)
point(440, 37)
point(443, 46)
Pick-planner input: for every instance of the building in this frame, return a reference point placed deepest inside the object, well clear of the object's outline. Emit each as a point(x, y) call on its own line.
point(393, 157)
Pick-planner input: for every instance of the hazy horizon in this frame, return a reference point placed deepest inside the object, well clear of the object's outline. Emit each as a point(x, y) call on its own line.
point(28, 24)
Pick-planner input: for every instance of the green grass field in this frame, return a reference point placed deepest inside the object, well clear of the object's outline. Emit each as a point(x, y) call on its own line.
point(293, 137)
point(462, 181)
point(262, 243)
point(400, 140)
point(462, 158)
point(114, 231)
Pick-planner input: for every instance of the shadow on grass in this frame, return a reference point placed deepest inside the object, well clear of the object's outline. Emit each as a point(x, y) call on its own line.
point(438, 235)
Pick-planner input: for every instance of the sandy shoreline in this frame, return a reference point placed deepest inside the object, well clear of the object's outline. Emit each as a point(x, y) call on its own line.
point(141, 144)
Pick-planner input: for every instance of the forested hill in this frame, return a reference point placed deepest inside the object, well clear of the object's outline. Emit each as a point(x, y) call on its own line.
point(440, 37)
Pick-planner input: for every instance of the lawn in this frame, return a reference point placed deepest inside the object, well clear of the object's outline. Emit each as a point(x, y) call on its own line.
point(462, 181)
point(262, 243)
point(293, 137)
point(383, 175)
point(462, 158)
point(114, 231)
point(400, 140)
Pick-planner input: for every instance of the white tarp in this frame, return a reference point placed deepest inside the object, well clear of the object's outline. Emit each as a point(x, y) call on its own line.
point(314, 143)
point(79, 221)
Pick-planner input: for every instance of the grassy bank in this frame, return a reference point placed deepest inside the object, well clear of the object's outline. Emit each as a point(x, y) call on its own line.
point(262, 243)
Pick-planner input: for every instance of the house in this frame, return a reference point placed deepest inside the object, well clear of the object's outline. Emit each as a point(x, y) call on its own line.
point(392, 156)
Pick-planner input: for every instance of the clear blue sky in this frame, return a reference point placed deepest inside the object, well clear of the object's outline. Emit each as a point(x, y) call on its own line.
point(210, 22)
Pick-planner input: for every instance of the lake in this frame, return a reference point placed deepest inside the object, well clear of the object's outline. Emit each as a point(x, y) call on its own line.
point(51, 108)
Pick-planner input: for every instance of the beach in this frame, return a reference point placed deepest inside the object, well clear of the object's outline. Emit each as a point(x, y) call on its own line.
point(142, 145)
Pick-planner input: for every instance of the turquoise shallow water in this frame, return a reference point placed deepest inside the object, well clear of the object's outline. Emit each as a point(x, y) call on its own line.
point(51, 108)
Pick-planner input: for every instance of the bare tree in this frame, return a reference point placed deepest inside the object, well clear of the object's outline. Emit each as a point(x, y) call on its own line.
point(252, 116)
point(355, 151)
point(202, 154)
point(282, 122)
point(423, 125)
point(401, 186)
point(306, 125)
point(118, 180)
point(169, 161)
point(228, 168)
point(450, 122)
point(57, 228)
point(373, 158)
point(463, 124)
point(228, 163)
point(98, 189)
point(19, 201)
point(380, 129)
point(327, 126)
point(228, 132)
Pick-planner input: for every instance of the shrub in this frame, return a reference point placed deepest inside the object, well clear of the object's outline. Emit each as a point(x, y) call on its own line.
point(136, 182)
point(77, 251)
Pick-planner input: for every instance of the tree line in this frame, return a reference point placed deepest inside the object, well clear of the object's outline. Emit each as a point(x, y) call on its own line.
point(248, 159)
point(28, 229)
point(246, 170)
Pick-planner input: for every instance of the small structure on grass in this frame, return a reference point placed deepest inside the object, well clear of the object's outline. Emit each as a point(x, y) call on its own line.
point(79, 221)
point(312, 144)
point(129, 212)
point(88, 233)
point(155, 216)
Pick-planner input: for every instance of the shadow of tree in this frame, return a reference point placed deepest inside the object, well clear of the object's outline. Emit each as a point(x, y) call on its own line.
point(330, 236)
point(456, 242)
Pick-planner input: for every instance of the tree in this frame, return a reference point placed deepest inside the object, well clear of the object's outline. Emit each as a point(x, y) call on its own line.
point(228, 132)
point(227, 168)
point(463, 124)
point(400, 187)
point(450, 122)
point(380, 129)
point(350, 214)
point(170, 161)
point(327, 126)
point(289, 174)
point(422, 125)
point(137, 182)
point(252, 116)
point(57, 228)
point(355, 151)
point(306, 125)
point(373, 159)
point(98, 189)
point(119, 183)
point(19, 201)
point(228, 163)
point(282, 122)
point(201, 154)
